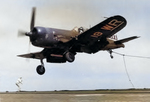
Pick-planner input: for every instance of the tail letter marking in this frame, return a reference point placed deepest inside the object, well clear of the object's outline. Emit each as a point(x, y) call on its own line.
point(113, 24)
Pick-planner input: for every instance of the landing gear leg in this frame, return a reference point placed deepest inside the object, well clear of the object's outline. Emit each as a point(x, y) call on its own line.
point(111, 56)
point(40, 69)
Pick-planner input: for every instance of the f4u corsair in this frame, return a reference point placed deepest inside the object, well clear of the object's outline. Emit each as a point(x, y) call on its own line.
point(61, 46)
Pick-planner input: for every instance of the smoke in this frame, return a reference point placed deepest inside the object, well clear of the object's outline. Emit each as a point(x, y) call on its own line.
point(69, 14)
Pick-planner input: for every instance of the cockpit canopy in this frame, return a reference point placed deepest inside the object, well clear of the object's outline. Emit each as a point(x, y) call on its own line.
point(79, 29)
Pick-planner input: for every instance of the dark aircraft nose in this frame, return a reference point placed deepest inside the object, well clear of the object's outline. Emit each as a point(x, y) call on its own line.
point(28, 33)
point(36, 34)
point(32, 34)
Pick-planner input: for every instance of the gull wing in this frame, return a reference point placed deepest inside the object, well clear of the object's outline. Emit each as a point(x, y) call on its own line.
point(103, 30)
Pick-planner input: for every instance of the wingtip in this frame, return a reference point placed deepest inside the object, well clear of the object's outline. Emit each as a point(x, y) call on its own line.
point(19, 56)
point(138, 36)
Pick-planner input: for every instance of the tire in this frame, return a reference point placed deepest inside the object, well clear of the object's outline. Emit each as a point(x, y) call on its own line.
point(111, 56)
point(40, 70)
point(70, 57)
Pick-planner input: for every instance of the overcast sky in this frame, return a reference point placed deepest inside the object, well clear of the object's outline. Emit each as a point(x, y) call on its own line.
point(89, 71)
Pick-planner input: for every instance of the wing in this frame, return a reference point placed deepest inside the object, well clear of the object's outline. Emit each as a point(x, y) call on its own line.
point(105, 29)
point(37, 55)
point(125, 40)
point(53, 56)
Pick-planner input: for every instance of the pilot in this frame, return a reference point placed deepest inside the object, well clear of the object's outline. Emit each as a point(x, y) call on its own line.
point(80, 30)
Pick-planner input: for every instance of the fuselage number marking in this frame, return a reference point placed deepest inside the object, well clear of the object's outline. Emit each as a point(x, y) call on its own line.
point(97, 34)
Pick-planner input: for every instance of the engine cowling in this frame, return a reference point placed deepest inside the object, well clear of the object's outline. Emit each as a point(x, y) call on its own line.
point(43, 37)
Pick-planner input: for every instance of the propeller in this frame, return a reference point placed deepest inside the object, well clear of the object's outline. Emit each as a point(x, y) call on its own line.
point(22, 33)
point(32, 23)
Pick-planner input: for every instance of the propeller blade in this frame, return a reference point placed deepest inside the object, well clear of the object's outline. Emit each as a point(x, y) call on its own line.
point(29, 47)
point(32, 18)
point(21, 33)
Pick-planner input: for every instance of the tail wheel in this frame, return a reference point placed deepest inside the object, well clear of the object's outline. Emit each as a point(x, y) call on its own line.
point(70, 57)
point(40, 70)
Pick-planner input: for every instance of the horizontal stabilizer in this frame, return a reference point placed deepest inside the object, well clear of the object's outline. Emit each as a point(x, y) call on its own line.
point(125, 40)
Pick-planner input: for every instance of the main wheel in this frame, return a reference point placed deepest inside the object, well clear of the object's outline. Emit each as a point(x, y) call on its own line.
point(40, 70)
point(111, 56)
point(70, 57)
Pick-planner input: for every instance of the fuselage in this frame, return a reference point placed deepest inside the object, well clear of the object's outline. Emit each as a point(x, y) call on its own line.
point(57, 38)
point(50, 37)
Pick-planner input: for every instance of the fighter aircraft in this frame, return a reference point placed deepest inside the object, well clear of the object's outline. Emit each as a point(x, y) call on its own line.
point(61, 45)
